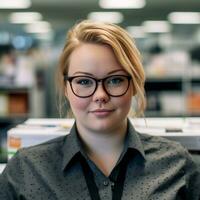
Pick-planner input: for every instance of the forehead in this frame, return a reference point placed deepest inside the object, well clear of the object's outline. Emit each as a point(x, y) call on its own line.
point(93, 58)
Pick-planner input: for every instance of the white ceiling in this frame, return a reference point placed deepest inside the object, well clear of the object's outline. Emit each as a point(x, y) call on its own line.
point(63, 13)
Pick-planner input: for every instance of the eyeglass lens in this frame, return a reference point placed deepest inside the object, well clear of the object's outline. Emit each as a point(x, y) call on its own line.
point(84, 86)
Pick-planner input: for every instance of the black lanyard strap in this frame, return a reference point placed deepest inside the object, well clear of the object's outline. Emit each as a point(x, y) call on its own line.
point(119, 186)
point(92, 187)
point(89, 177)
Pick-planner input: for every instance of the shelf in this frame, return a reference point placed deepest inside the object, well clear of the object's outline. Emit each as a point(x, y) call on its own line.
point(154, 113)
point(13, 88)
point(163, 86)
point(13, 118)
point(166, 95)
point(164, 79)
point(14, 101)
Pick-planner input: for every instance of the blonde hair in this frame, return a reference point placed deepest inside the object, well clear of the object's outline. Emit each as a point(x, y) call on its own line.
point(123, 47)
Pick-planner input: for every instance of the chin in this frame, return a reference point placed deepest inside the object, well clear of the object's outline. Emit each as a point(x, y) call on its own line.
point(105, 125)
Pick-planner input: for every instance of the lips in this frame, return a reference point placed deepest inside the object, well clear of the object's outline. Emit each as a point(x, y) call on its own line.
point(102, 112)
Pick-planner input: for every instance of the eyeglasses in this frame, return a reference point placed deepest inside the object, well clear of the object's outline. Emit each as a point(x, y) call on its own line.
point(85, 86)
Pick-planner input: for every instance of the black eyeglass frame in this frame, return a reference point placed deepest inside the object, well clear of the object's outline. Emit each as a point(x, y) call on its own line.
point(70, 78)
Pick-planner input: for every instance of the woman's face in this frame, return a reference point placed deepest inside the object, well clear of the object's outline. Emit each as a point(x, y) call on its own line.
point(99, 112)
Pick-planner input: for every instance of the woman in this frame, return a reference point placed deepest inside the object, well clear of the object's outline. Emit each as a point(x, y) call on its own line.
point(103, 157)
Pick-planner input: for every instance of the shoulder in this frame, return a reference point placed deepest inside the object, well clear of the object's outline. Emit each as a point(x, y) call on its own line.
point(158, 144)
point(170, 159)
point(30, 163)
point(166, 153)
point(47, 152)
point(48, 147)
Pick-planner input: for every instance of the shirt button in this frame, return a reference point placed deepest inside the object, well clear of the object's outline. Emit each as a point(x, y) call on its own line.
point(112, 185)
point(105, 183)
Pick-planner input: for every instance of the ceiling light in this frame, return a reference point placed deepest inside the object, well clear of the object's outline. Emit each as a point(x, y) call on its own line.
point(136, 31)
point(184, 17)
point(38, 27)
point(110, 17)
point(15, 4)
point(45, 36)
point(156, 26)
point(125, 4)
point(25, 17)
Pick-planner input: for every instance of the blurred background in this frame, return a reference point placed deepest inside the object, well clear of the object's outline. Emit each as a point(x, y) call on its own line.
point(32, 34)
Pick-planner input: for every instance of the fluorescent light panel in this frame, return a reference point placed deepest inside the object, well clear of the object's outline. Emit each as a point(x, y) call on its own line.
point(14, 4)
point(123, 4)
point(110, 17)
point(45, 36)
point(25, 17)
point(38, 27)
point(184, 17)
point(136, 31)
point(156, 26)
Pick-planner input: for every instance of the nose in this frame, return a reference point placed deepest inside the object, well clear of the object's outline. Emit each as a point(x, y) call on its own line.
point(100, 95)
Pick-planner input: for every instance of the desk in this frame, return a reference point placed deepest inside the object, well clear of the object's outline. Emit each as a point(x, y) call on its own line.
point(183, 130)
point(35, 131)
point(2, 166)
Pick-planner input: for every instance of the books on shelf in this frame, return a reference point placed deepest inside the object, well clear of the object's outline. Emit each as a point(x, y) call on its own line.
point(193, 102)
point(14, 104)
point(18, 103)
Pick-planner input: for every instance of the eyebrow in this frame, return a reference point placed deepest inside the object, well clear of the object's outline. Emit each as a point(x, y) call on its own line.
point(90, 74)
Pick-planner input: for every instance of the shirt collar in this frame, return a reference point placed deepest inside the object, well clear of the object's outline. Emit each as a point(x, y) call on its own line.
point(72, 145)
point(133, 140)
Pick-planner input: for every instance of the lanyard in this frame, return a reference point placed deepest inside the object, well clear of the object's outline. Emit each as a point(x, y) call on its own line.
point(92, 187)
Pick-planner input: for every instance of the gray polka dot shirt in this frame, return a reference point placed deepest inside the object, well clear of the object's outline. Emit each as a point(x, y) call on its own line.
point(158, 169)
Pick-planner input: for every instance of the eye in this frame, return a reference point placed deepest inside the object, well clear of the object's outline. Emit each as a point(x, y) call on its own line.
point(115, 80)
point(84, 81)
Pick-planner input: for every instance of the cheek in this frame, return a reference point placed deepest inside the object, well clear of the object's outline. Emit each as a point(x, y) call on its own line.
point(76, 103)
point(125, 102)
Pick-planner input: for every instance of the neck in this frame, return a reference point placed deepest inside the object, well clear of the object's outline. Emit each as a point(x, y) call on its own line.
point(101, 141)
point(104, 149)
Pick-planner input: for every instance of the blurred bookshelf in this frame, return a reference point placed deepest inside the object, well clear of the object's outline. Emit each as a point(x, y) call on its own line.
point(14, 102)
point(173, 96)
point(15, 108)
point(173, 80)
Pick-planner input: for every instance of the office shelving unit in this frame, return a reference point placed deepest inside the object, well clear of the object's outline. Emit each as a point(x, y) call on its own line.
point(15, 101)
point(173, 96)
point(15, 108)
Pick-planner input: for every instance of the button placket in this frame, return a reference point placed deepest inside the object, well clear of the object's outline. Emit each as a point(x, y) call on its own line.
point(112, 185)
point(105, 182)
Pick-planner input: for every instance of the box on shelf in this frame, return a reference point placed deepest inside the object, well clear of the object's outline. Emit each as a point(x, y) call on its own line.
point(18, 103)
point(193, 102)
